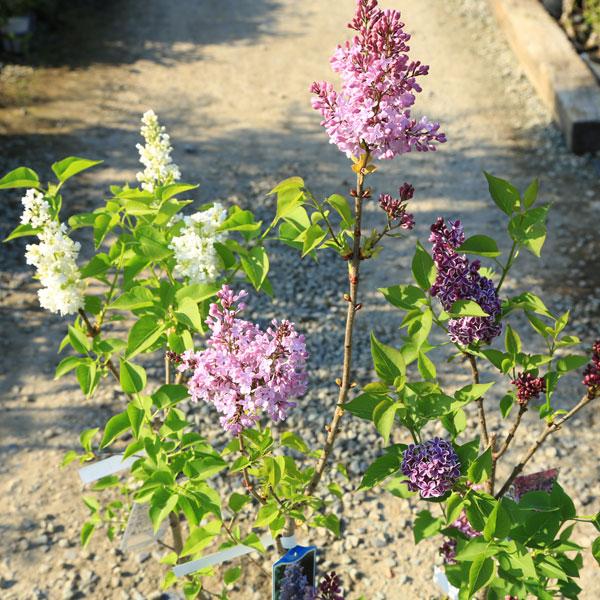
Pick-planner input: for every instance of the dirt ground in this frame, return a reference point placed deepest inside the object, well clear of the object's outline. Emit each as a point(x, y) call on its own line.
point(230, 80)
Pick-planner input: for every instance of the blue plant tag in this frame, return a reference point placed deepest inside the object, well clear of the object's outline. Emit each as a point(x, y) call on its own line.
point(294, 572)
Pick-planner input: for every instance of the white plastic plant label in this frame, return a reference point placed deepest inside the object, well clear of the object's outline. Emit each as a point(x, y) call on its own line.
point(440, 579)
point(108, 466)
point(219, 557)
point(139, 533)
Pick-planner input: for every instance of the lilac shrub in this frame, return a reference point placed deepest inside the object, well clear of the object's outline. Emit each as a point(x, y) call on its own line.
point(159, 286)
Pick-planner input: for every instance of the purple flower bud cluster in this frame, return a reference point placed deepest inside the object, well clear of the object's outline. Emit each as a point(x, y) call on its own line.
point(528, 387)
point(459, 279)
point(245, 371)
point(591, 374)
point(379, 84)
point(542, 481)
point(448, 548)
point(295, 586)
point(432, 467)
point(395, 208)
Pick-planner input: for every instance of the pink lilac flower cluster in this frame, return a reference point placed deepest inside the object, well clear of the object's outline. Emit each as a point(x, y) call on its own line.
point(245, 371)
point(591, 374)
point(448, 548)
point(379, 83)
point(395, 208)
point(528, 387)
point(459, 279)
point(432, 467)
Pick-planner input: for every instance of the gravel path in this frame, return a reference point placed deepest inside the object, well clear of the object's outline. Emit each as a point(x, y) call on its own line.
point(230, 81)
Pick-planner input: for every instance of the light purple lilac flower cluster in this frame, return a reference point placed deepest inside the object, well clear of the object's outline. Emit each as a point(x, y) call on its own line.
point(591, 374)
point(295, 586)
point(395, 208)
point(448, 548)
point(432, 467)
point(528, 387)
point(459, 279)
point(245, 371)
point(379, 83)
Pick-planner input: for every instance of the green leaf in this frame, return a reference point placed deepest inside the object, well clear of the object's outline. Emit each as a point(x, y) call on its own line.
point(426, 526)
point(86, 532)
point(571, 362)
point(256, 266)
point(482, 245)
point(197, 292)
point(115, 426)
point(103, 223)
point(383, 418)
point(289, 197)
point(480, 574)
point(329, 521)
point(161, 506)
point(294, 441)
point(512, 341)
point(153, 243)
point(136, 297)
point(481, 468)
point(472, 391)
point(466, 308)
point(21, 231)
point(87, 377)
point(530, 194)
point(423, 268)
point(189, 314)
point(136, 418)
point(132, 377)
point(169, 395)
point(66, 168)
point(388, 362)
point(238, 501)
point(407, 297)
point(596, 549)
point(363, 405)
point(504, 194)
point(266, 514)
point(426, 367)
point(86, 437)
point(22, 177)
point(67, 364)
point(80, 342)
point(232, 575)
point(381, 468)
point(201, 537)
point(312, 238)
point(142, 335)
point(506, 404)
point(498, 523)
point(341, 205)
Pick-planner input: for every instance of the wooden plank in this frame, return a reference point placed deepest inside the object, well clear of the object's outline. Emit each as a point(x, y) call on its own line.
point(560, 76)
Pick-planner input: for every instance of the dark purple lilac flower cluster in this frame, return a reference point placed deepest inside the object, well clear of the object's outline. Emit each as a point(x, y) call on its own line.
point(330, 587)
point(591, 375)
point(432, 467)
point(395, 208)
point(528, 387)
point(459, 279)
point(543, 481)
point(448, 548)
point(295, 586)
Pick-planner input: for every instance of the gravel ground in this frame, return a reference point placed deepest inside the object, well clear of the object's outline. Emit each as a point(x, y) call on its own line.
point(230, 81)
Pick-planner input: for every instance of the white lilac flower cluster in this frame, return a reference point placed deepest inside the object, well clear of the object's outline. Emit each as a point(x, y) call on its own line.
point(155, 155)
point(195, 255)
point(54, 257)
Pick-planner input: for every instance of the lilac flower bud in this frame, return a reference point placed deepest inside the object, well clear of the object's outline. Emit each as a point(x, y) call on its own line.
point(591, 374)
point(528, 387)
point(432, 467)
point(330, 587)
point(395, 208)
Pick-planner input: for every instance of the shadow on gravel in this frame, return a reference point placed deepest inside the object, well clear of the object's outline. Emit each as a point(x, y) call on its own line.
point(161, 31)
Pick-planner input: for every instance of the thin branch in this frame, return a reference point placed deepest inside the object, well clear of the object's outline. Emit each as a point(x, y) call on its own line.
point(485, 438)
point(550, 429)
point(353, 307)
point(511, 433)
